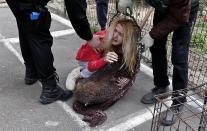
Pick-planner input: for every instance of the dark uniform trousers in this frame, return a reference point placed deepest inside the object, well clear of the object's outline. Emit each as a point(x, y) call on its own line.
point(35, 40)
point(180, 48)
point(101, 10)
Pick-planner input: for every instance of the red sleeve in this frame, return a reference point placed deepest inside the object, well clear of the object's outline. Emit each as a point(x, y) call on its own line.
point(101, 33)
point(96, 64)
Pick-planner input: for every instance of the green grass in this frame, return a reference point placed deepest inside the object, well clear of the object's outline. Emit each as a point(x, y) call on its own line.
point(199, 42)
point(95, 29)
point(202, 25)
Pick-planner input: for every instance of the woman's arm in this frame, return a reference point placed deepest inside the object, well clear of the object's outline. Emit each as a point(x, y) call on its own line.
point(96, 64)
point(110, 57)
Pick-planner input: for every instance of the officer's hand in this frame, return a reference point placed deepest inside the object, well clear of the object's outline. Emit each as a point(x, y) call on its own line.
point(147, 41)
point(123, 5)
point(111, 57)
point(95, 41)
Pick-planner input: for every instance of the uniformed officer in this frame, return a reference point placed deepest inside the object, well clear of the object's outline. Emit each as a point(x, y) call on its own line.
point(33, 21)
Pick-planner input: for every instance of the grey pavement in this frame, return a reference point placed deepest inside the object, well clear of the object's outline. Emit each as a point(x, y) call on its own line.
point(19, 106)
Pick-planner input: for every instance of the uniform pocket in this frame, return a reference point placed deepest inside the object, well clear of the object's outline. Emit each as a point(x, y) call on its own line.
point(42, 23)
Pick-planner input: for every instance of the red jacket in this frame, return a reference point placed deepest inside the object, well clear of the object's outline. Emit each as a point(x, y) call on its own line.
point(88, 54)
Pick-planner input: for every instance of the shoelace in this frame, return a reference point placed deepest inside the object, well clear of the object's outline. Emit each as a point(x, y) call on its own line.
point(56, 77)
point(176, 109)
point(155, 89)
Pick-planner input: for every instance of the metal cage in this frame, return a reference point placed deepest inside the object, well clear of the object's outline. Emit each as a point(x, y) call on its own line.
point(194, 115)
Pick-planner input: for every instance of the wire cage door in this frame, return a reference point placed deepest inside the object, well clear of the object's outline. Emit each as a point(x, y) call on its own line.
point(192, 118)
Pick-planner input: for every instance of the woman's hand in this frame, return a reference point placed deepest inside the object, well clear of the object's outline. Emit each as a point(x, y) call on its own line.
point(122, 81)
point(111, 57)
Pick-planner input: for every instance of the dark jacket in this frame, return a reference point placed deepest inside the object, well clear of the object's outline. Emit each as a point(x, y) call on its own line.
point(35, 2)
point(178, 13)
point(76, 10)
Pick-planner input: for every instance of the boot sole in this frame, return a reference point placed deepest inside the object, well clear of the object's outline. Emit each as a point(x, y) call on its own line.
point(60, 97)
point(30, 81)
point(153, 101)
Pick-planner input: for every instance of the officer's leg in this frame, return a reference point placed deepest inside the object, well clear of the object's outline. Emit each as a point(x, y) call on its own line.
point(40, 42)
point(35, 41)
point(101, 10)
point(30, 75)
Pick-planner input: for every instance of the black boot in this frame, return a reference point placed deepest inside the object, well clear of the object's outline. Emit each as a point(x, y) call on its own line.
point(149, 98)
point(30, 76)
point(52, 92)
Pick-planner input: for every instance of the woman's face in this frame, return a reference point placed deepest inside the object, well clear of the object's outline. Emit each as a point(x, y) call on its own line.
point(118, 33)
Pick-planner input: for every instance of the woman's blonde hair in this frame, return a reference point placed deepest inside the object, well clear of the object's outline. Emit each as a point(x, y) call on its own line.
point(129, 44)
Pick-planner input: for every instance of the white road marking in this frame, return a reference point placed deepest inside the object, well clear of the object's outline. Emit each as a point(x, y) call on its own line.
point(148, 71)
point(129, 124)
point(136, 119)
point(66, 108)
point(10, 40)
point(61, 20)
point(63, 33)
point(54, 34)
point(8, 44)
point(51, 123)
point(132, 122)
point(74, 115)
point(3, 5)
point(140, 119)
point(14, 51)
point(1, 37)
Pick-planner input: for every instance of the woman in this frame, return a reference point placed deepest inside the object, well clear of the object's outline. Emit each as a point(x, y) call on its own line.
point(94, 57)
point(109, 81)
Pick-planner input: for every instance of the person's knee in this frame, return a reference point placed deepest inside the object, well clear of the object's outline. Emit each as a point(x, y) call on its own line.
point(179, 59)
